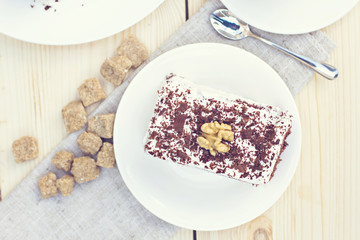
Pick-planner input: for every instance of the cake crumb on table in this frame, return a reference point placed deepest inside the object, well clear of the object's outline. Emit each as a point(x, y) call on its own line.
point(115, 69)
point(106, 156)
point(65, 185)
point(84, 169)
point(89, 143)
point(91, 92)
point(102, 125)
point(62, 160)
point(74, 116)
point(135, 50)
point(47, 185)
point(25, 148)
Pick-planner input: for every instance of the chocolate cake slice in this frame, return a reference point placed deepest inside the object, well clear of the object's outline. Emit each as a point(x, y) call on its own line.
point(219, 132)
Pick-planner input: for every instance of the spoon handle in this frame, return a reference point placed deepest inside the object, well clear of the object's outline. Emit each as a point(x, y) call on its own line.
point(323, 69)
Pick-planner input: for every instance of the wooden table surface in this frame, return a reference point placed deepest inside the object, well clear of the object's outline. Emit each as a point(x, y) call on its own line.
point(322, 201)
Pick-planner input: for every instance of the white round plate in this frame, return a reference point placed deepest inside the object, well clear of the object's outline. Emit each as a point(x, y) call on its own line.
point(289, 16)
point(184, 196)
point(74, 22)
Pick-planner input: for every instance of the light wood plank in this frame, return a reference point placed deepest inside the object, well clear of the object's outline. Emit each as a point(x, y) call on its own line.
point(183, 234)
point(37, 81)
point(194, 6)
point(339, 127)
point(322, 201)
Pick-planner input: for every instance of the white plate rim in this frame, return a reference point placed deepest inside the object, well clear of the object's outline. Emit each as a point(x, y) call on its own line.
point(32, 38)
point(311, 25)
point(143, 202)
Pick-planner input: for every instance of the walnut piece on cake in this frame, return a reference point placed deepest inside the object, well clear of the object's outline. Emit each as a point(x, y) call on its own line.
point(62, 160)
point(84, 169)
point(102, 125)
point(47, 185)
point(115, 69)
point(212, 134)
point(89, 143)
point(106, 156)
point(91, 92)
point(74, 116)
point(135, 50)
point(65, 185)
point(25, 148)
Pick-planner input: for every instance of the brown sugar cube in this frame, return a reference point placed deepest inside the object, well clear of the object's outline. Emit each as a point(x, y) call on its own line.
point(65, 185)
point(62, 160)
point(115, 69)
point(89, 143)
point(102, 125)
point(134, 49)
point(84, 169)
point(74, 116)
point(47, 185)
point(91, 92)
point(25, 148)
point(106, 156)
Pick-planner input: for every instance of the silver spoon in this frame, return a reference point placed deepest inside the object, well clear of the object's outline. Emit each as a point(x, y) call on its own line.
point(225, 23)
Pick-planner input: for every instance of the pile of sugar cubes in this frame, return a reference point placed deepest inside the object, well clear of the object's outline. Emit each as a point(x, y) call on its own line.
point(96, 141)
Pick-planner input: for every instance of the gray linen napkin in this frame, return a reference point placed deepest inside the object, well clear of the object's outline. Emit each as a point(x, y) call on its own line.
point(104, 208)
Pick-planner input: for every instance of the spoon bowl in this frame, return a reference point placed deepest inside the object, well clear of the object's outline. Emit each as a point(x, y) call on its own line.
point(228, 25)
